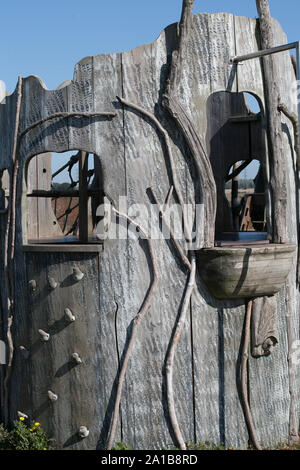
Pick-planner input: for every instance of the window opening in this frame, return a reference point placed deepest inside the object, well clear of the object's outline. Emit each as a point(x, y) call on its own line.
point(245, 193)
point(237, 150)
point(63, 193)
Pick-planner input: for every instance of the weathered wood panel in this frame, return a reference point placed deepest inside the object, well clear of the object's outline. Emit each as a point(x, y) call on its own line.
point(41, 221)
point(49, 366)
point(110, 168)
point(146, 161)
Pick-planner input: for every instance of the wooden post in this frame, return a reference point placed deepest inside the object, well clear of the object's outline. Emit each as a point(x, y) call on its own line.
point(172, 104)
point(83, 197)
point(234, 199)
point(278, 183)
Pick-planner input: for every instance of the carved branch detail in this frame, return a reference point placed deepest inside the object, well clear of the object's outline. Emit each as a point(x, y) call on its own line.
point(294, 120)
point(177, 112)
point(278, 183)
point(264, 326)
point(9, 243)
point(180, 251)
point(171, 355)
point(64, 116)
point(166, 137)
point(136, 322)
point(247, 410)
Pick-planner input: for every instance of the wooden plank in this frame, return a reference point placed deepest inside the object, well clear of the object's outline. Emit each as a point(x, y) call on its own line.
point(52, 193)
point(269, 381)
point(215, 343)
point(269, 397)
point(249, 118)
point(146, 160)
point(111, 173)
point(41, 221)
point(83, 197)
point(39, 103)
point(64, 248)
point(81, 99)
point(249, 73)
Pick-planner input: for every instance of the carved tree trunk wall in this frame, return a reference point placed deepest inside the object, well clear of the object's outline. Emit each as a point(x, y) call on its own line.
point(133, 158)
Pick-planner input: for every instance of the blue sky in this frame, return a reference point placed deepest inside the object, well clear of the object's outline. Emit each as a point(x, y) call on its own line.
point(47, 38)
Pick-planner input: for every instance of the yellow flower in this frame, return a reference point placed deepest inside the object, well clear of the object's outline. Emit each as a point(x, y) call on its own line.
point(36, 424)
point(22, 418)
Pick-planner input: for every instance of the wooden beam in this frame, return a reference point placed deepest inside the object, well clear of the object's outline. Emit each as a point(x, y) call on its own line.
point(83, 197)
point(68, 193)
point(265, 52)
point(278, 183)
point(249, 118)
point(237, 170)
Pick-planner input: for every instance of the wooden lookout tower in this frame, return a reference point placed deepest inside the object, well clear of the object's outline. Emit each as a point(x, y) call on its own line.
point(113, 330)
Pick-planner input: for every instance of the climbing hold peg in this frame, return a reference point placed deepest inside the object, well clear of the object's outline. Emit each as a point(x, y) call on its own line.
point(83, 432)
point(32, 286)
point(52, 396)
point(52, 283)
point(25, 352)
point(69, 314)
point(76, 358)
point(44, 336)
point(77, 274)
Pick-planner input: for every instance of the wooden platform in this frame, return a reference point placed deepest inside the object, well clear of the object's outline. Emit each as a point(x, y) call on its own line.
point(64, 245)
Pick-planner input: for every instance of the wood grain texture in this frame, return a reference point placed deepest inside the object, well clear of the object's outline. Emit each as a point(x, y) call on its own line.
point(41, 221)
